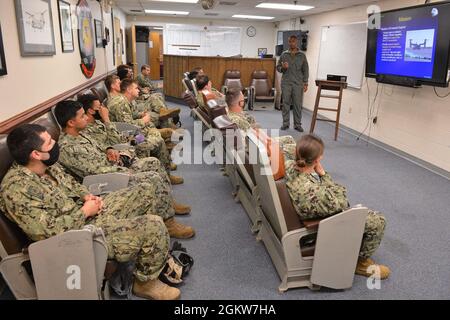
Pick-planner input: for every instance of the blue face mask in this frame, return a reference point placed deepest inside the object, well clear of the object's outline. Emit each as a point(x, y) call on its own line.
point(54, 155)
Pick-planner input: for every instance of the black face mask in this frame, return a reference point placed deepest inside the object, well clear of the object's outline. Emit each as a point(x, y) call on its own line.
point(97, 116)
point(54, 155)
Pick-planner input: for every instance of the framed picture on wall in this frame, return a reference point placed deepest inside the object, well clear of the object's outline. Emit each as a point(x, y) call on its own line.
point(65, 26)
point(262, 51)
point(35, 26)
point(122, 41)
point(107, 35)
point(3, 70)
point(98, 33)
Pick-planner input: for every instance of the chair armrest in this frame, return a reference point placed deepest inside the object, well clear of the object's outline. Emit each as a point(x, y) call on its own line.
point(75, 252)
point(121, 146)
point(312, 224)
point(105, 183)
point(126, 127)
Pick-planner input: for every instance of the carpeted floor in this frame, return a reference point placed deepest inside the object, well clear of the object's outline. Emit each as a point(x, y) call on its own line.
point(230, 264)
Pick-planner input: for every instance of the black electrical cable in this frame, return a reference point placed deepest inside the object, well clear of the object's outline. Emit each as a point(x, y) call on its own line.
point(369, 107)
point(437, 94)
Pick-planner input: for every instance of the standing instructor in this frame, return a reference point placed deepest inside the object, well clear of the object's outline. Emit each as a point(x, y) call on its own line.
point(294, 82)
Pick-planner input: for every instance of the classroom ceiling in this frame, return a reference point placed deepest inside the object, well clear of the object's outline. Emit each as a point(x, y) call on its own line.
point(224, 9)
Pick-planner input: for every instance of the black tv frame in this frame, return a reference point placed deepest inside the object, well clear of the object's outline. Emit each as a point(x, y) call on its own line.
point(404, 80)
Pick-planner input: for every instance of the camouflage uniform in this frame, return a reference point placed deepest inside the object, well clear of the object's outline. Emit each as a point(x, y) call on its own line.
point(201, 103)
point(106, 135)
point(145, 82)
point(156, 100)
point(139, 107)
point(243, 120)
point(43, 208)
point(82, 156)
point(120, 110)
point(288, 146)
point(246, 121)
point(317, 197)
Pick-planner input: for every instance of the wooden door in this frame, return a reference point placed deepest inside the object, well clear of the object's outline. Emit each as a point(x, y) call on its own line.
point(155, 55)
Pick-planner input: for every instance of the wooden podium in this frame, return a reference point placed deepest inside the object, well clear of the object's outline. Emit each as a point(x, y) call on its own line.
point(328, 86)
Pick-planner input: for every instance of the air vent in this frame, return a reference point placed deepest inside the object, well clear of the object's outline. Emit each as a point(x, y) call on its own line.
point(135, 10)
point(211, 14)
point(227, 3)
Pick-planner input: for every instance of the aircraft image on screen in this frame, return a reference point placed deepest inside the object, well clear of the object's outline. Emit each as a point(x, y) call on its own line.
point(419, 45)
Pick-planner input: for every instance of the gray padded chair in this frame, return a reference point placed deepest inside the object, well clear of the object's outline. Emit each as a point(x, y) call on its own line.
point(15, 266)
point(331, 262)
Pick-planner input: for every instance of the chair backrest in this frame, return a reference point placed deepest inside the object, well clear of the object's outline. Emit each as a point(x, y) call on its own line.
point(274, 154)
point(48, 121)
point(261, 82)
point(100, 91)
point(270, 201)
point(188, 84)
point(12, 238)
point(232, 79)
point(189, 99)
point(87, 91)
point(215, 110)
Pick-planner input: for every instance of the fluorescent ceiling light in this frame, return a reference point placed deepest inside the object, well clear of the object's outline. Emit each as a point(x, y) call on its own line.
point(158, 28)
point(283, 6)
point(182, 13)
point(243, 16)
point(182, 1)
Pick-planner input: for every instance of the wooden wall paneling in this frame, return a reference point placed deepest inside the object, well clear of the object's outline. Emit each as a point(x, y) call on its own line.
point(214, 67)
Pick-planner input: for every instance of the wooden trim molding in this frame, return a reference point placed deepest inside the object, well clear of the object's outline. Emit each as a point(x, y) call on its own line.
point(37, 111)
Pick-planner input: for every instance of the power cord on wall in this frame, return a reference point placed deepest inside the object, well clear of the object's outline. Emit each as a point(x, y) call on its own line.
point(370, 107)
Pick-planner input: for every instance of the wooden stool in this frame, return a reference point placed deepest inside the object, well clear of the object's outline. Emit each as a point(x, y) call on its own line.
point(330, 86)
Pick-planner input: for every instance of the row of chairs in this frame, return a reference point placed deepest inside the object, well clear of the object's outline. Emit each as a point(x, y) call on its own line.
point(259, 90)
point(43, 269)
point(305, 253)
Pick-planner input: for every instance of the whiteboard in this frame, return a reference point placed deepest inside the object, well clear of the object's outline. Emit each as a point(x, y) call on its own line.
point(343, 52)
point(195, 40)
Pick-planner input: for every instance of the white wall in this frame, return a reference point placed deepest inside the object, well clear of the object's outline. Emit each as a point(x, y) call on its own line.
point(33, 80)
point(265, 31)
point(414, 121)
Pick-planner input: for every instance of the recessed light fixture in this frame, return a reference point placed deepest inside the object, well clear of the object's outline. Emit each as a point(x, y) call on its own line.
point(181, 13)
point(243, 16)
point(283, 6)
point(182, 1)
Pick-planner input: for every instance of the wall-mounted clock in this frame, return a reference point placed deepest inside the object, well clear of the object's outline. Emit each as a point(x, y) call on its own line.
point(251, 31)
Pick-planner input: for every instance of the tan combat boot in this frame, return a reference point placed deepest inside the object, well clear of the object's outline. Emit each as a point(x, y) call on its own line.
point(170, 145)
point(166, 133)
point(364, 264)
point(165, 114)
point(173, 166)
point(178, 230)
point(181, 209)
point(176, 180)
point(155, 290)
